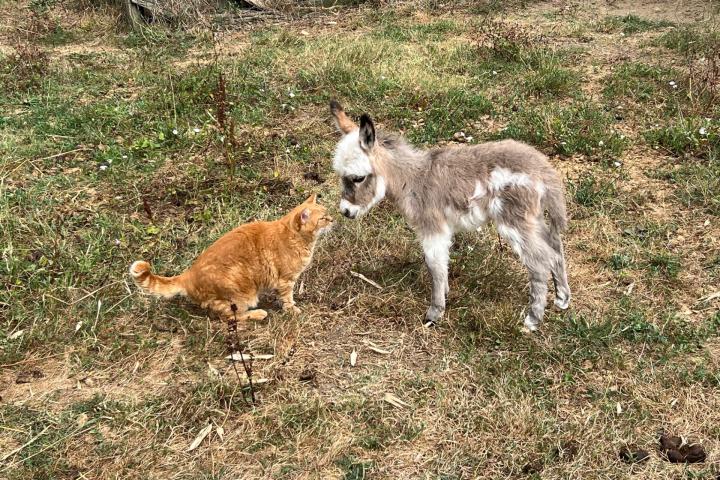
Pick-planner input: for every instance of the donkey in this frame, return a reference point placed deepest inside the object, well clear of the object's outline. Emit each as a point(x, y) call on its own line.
point(445, 190)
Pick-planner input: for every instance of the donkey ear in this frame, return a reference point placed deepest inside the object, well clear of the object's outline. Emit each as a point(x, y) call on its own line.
point(367, 132)
point(342, 121)
point(312, 198)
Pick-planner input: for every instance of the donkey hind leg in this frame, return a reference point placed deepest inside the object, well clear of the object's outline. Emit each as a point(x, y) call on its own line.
point(539, 258)
point(437, 256)
point(559, 270)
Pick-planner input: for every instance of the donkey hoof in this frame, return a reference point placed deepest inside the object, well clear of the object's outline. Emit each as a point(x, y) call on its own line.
point(433, 315)
point(562, 303)
point(530, 324)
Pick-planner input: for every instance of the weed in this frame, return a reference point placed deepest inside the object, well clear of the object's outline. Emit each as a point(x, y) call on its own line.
point(619, 261)
point(552, 80)
point(25, 69)
point(692, 136)
point(567, 130)
point(638, 81)
point(630, 24)
point(663, 263)
point(588, 191)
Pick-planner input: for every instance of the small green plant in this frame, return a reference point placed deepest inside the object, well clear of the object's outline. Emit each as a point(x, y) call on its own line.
point(630, 24)
point(619, 261)
point(693, 136)
point(665, 264)
point(689, 40)
point(567, 130)
point(552, 80)
point(588, 191)
point(637, 81)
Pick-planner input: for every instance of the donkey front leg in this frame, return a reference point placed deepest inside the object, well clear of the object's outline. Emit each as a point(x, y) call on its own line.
point(437, 257)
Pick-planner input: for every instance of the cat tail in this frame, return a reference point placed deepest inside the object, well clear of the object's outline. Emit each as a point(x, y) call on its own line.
point(153, 284)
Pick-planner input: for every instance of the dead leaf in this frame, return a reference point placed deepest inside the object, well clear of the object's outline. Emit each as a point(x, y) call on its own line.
point(17, 334)
point(379, 350)
point(394, 401)
point(220, 432)
point(200, 437)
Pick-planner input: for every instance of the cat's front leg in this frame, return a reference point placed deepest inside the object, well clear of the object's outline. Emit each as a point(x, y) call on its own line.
point(285, 292)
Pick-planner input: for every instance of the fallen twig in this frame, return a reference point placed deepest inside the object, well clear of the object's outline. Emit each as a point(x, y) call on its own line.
point(365, 279)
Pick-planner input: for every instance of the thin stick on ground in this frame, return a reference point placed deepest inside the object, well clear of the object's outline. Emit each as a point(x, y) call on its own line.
point(235, 344)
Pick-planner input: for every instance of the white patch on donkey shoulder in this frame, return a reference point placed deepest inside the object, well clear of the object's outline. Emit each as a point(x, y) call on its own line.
point(502, 177)
point(350, 158)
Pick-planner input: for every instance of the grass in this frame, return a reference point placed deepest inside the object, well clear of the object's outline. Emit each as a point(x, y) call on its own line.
point(631, 24)
point(111, 150)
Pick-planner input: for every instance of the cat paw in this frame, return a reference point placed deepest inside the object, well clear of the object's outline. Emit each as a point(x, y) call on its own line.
point(293, 309)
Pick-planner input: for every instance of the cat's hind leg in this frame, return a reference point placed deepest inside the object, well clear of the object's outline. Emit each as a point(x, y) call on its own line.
point(237, 310)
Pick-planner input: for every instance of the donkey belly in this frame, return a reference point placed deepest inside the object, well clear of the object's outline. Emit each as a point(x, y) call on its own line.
point(470, 220)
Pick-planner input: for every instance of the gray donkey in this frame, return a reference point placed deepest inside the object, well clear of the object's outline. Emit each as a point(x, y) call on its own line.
point(446, 190)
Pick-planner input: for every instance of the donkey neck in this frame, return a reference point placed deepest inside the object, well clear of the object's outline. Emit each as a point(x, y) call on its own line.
point(404, 170)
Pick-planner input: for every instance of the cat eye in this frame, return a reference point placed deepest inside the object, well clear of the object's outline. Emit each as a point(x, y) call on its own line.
point(358, 179)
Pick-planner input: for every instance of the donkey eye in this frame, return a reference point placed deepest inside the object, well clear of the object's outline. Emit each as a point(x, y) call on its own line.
point(358, 179)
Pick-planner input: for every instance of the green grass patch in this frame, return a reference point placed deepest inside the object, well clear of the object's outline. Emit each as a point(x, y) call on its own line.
point(582, 128)
point(696, 184)
point(690, 40)
point(692, 136)
point(639, 82)
point(630, 24)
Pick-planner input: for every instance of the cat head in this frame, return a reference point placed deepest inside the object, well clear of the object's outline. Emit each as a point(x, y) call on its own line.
point(311, 218)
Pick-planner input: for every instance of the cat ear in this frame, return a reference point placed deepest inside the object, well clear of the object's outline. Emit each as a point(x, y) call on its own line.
point(303, 217)
point(312, 198)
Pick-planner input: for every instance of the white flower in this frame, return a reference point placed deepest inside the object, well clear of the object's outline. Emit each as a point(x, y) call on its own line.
point(601, 143)
point(617, 164)
point(702, 131)
point(175, 132)
point(196, 130)
point(117, 242)
point(494, 72)
point(672, 83)
point(291, 95)
point(124, 157)
point(103, 167)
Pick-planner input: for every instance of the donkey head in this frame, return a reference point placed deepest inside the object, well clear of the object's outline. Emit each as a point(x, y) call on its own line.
point(355, 162)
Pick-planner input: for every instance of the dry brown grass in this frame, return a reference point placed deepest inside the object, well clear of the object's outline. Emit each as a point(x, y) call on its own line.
point(130, 381)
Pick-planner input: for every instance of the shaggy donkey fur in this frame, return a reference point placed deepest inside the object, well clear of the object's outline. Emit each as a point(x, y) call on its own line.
point(446, 190)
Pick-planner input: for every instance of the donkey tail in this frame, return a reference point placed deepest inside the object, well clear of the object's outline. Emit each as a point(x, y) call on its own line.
point(148, 282)
point(554, 202)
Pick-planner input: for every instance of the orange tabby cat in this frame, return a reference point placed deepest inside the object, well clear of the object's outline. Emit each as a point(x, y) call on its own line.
point(252, 258)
